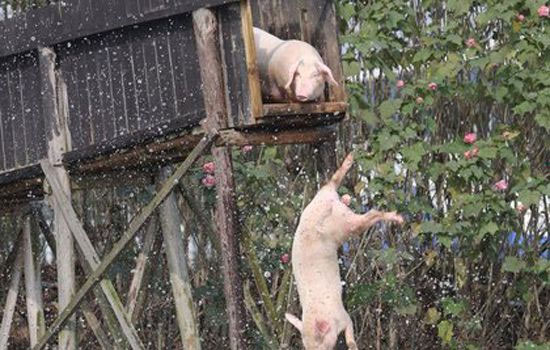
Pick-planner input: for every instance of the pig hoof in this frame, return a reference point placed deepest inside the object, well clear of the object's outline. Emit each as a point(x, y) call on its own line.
point(346, 199)
point(352, 346)
point(393, 216)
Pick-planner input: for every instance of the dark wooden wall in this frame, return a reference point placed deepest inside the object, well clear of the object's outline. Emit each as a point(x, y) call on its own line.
point(139, 78)
point(22, 139)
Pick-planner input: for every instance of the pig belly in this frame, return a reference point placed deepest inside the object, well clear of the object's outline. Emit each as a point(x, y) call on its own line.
point(318, 280)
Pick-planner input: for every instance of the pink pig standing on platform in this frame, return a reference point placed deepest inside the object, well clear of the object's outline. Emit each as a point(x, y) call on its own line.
point(290, 70)
point(324, 225)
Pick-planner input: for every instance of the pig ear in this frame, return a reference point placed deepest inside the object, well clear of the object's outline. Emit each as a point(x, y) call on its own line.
point(295, 321)
point(291, 72)
point(327, 73)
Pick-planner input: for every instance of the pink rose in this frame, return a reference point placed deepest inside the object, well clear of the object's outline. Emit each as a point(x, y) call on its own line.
point(520, 208)
point(400, 84)
point(285, 258)
point(544, 11)
point(471, 153)
point(209, 168)
point(432, 86)
point(470, 137)
point(471, 42)
point(247, 148)
point(209, 181)
point(501, 185)
point(520, 17)
point(419, 100)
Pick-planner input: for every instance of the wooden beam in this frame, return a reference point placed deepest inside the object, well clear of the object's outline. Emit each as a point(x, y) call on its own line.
point(33, 287)
point(126, 238)
point(280, 137)
point(304, 109)
point(172, 226)
point(11, 299)
point(140, 270)
point(252, 65)
point(91, 259)
point(206, 31)
point(54, 102)
point(96, 328)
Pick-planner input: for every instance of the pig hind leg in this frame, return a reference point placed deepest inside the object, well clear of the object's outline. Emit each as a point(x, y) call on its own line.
point(350, 338)
point(338, 176)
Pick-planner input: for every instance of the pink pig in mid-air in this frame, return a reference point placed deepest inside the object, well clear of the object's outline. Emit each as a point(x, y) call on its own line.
point(324, 225)
point(290, 70)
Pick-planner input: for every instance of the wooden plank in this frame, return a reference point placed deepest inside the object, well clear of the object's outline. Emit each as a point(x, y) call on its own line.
point(251, 63)
point(57, 145)
point(126, 238)
point(33, 287)
point(282, 109)
point(279, 137)
point(63, 22)
point(141, 268)
point(11, 300)
point(206, 35)
point(172, 224)
point(91, 258)
point(7, 122)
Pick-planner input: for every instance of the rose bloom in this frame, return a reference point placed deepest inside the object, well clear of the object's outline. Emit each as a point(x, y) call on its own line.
point(470, 137)
point(400, 84)
point(520, 17)
point(419, 100)
point(544, 11)
point(471, 42)
point(209, 168)
point(209, 181)
point(247, 148)
point(432, 86)
point(501, 185)
point(285, 258)
point(471, 153)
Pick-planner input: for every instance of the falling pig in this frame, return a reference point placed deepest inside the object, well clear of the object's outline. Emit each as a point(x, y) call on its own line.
point(290, 70)
point(324, 225)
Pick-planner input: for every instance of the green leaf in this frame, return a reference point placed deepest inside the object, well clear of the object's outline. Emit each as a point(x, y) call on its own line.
point(408, 310)
point(432, 316)
point(543, 120)
point(513, 264)
point(488, 152)
point(445, 331)
point(489, 228)
point(389, 107)
point(528, 197)
point(452, 307)
point(431, 227)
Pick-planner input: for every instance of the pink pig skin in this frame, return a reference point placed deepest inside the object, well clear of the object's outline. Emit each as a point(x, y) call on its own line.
point(290, 70)
point(324, 225)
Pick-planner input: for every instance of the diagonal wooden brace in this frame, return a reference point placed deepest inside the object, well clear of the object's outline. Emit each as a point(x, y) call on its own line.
point(101, 266)
point(91, 258)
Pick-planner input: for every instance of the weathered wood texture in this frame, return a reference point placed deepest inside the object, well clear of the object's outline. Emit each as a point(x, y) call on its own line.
point(91, 259)
point(33, 286)
point(137, 79)
point(11, 299)
point(22, 138)
point(172, 231)
point(127, 237)
point(71, 19)
point(206, 32)
point(56, 135)
point(312, 21)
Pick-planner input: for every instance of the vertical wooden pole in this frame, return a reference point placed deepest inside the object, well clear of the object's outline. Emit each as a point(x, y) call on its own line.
point(172, 226)
point(54, 102)
point(11, 299)
point(206, 35)
point(35, 313)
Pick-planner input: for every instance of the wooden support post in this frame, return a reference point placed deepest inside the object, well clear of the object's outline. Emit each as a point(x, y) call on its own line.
point(87, 312)
point(54, 97)
point(141, 269)
point(33, 284)
point(172, 225)
point(251, 62)
point(127, 237)
point(91, 258)
point(206, 35)
point(11, 299)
